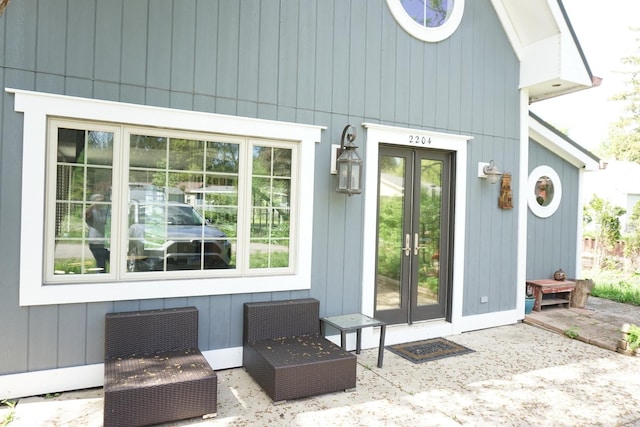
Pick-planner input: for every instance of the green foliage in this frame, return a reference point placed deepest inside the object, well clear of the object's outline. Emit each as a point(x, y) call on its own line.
point(269, 260)
point(604, 220)
point(607, 219)
point(8, 418)
point(633, 337)
point(623, 141)
point(431, 283)
point(616, 286)
point(632, 239)
point(572, 332)
point(620, 291)
point(73, 265)
point(52, 395)
point(390, 236)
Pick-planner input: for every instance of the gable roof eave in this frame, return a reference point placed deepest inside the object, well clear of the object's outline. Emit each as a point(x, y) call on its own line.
point(560, 144)
point(552, 62)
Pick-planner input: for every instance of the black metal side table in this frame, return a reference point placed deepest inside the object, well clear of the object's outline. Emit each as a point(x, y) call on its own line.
point(355, 322)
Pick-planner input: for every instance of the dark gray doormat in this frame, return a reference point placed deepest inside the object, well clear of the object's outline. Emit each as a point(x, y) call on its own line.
point(433, 349)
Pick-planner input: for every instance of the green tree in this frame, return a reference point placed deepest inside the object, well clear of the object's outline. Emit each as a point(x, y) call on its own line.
point(623, 141)
point(632, 240)
point(605, 219)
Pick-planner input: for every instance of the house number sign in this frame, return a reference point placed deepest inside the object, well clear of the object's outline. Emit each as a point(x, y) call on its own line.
point(417, 139)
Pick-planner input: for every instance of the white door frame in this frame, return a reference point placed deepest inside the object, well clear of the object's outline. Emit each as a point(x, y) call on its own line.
point(381, 134)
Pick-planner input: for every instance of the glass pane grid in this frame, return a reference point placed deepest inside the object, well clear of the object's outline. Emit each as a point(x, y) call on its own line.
point(82, 225)
point(167, 173)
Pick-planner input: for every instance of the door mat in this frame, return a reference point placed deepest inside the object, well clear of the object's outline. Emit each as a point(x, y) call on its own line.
point(433, 349)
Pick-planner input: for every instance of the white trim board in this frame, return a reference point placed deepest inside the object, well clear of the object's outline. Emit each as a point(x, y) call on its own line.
point(37, 107)
point(559, 146)
point(89, 376)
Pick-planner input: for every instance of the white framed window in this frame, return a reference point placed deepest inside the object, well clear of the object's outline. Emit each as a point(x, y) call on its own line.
point(544, 191)
point(429, 21)
point(143, 202)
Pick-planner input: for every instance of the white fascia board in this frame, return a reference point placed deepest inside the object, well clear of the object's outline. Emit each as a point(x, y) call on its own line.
point(541, 62)
point(548, 56)
point(560, 147)
point(508, 26)
point(572, 67)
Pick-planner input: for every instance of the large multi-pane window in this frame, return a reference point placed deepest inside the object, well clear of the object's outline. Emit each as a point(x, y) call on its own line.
point(125, 201)
point(134, 203)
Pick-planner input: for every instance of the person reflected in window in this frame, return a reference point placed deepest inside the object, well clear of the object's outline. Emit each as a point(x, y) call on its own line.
point(96, 217)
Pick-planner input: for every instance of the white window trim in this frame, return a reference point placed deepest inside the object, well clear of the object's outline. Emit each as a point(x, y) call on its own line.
point(537, 209)
point(37, 107)
point(423, 33)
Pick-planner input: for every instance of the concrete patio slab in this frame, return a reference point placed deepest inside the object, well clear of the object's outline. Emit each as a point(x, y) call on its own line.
point(518, 375)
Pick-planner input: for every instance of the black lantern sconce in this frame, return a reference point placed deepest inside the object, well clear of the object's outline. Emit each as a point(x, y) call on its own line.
point(348, 164)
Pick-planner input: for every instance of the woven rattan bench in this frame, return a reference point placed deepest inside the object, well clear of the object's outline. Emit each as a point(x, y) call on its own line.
point(286, 355)
point(153, 370)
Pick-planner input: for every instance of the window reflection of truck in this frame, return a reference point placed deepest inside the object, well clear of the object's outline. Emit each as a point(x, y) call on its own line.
point(168, 235)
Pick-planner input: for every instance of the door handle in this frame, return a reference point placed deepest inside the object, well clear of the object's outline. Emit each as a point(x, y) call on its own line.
point(407, 244)
point(416, 245)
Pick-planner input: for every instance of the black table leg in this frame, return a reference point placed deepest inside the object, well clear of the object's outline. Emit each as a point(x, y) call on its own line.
point(383, 330)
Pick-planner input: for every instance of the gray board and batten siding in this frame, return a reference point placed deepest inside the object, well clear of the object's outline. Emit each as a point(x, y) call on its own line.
point(551, 242)
point(322, 62)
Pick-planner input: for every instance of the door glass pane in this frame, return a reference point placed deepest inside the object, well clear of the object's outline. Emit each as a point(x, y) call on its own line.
point(429, 232)
point(390, 234)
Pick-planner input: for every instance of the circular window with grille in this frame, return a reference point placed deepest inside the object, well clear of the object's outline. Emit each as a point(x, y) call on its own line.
point(429, 21)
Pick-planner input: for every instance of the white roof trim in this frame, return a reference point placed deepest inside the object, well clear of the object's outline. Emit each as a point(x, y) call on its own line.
point(551, 60)
point(560, 146)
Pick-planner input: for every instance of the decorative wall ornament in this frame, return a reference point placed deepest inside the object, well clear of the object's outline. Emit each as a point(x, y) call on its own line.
point(560, 275)
point(506, 196)
point(3, 5)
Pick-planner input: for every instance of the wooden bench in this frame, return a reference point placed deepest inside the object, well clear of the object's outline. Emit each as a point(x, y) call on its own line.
point(551, 292)
point(153, 370)
point(287, 356)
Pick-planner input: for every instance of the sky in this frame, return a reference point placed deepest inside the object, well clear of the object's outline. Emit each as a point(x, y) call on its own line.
point(603, 31)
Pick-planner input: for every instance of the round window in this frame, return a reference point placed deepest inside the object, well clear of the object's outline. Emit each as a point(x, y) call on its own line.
point(430, 21)
point(544, 191)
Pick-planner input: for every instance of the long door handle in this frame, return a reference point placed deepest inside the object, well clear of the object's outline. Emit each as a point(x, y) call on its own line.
point(416, 245)
point(407, 244)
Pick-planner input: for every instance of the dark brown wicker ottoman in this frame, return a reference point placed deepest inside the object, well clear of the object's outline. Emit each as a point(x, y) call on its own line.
point(286, 355)
point(154, 372)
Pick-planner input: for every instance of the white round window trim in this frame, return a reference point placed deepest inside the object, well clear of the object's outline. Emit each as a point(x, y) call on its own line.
point(537, 209)
point(425, 33)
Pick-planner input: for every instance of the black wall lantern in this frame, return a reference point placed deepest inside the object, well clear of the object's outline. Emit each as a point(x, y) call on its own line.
point(349, 164)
